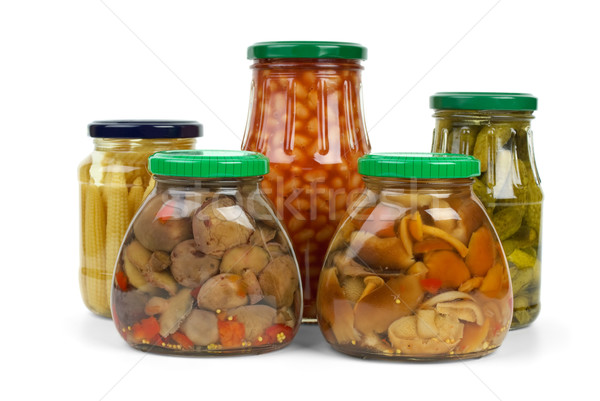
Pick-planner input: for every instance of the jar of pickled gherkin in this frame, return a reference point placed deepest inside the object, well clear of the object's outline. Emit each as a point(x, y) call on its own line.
point(113, 181)
point(206, 267)
point(306, 116)
point(415, 271)
point(496, 129)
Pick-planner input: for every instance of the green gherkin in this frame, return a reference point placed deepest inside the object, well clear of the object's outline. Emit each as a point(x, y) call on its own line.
point(489, 140)
point(484, 194)
point(508, 220)
point(522, 259)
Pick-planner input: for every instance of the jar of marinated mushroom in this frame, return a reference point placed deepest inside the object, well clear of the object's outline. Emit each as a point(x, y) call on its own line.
point(113, 181)
point(496, 129)
point(416, 270)
point(206, 268)
point(306, 116)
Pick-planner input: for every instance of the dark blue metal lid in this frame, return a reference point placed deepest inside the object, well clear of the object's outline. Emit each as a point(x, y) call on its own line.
point(145, 129)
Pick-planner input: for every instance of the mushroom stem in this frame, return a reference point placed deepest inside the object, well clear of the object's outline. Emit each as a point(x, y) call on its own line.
point(437, 232)
point(371, 284)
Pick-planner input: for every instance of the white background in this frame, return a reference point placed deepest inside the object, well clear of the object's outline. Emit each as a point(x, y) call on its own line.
point(64, 64)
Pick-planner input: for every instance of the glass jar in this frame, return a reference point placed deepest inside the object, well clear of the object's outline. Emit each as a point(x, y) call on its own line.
point(415, 271)
point(206, 268)
point(306, 115)
point(113, 181)
point(496, 129)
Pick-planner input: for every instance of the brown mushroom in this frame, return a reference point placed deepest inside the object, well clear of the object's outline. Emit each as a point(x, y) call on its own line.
point(279, 281)
point(223, 291)
point(129, 306)
point(398, 297)
point(348, 266)
point(255, 318)
point(255, 294)
point(243, 257)
point(138, 255)
point(162, 280)
point(221, 224)
point(426, 333)
point(353, 287)
point(160, 226)
point(179, 307)
point(380, 253)
point(134, 276)
point(371, 284)
point(275, 249)
point(190, 267)
point(156, 306)
point(159, 261)
point(201, 327)
point(262, 235)
point(334, 309)
point(444, 217)
point(285, 316)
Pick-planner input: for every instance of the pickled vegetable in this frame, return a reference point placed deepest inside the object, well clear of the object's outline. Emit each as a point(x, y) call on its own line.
point(214, 292)
point(112, 182)
point(510, 190)
point(444, 299)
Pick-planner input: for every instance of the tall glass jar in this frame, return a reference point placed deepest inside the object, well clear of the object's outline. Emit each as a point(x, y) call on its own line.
point(113, 181)
point(496, 129)
point(306, 116)
point(206, 267)
point(415, 271)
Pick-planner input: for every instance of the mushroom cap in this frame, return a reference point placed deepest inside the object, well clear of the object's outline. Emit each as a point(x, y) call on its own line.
point(223, 291)
point(397, 298)
point(201, 327)
point(162, 234)
point(221, 224)
point(256, 319)
point(242, 257)
point(262, 235)
point(379, 253)
point(190, 267)
point(279, 281)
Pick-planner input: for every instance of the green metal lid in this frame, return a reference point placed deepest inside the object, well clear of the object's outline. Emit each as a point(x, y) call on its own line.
point(307, 49)
point(418, 165)
point(208, 163)
point(482, 101)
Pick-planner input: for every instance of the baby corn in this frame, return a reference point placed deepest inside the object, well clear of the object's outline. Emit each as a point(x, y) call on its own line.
point(94, 245)
point(117, 216)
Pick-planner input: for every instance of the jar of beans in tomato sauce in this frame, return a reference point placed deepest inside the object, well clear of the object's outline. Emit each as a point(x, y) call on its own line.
point(306, 116)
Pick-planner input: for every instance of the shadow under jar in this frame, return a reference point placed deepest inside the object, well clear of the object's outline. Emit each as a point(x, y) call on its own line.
point(496, 129)
point(206, 267)
point(113, 181)
point(416, 270)
point(306, 116)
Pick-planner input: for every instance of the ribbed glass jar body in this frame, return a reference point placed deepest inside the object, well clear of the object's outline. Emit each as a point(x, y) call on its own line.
point(306, 116)
point(509, 187)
